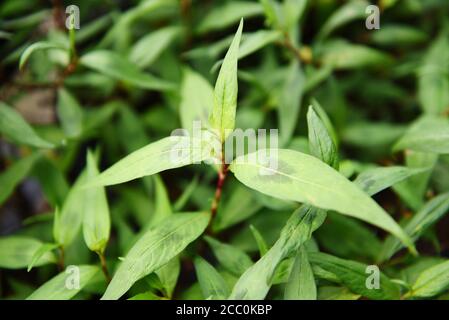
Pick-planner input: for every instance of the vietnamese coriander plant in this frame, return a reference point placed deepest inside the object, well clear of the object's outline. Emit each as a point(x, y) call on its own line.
point(211, 210)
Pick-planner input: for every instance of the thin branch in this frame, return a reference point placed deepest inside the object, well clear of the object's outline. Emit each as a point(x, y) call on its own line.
point(104, 267)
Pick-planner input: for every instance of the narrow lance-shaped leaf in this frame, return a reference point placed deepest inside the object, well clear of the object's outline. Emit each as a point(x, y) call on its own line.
point(431, 282)
point(261, 244)
point(66, 284)
point(96, 220)
point(320, 141)
point(41, 45)
point(155, 248)
point(17, 252)
point(222, 117)
point(114, 66)
point(168, 153)
point(301, 283)
point(211, 282)
point(13, 126)
point(255, 283)
point(292, 175)
point(427, 134)
point(40, 252)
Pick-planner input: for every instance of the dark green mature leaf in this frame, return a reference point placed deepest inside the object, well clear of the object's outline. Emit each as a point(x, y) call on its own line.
point(96, 220)
point(16, 252)
point(231, 258)
point(66, 284)
point(154, 249)
point(256, 281)
point(301, 283)
point(427, 134)
point(299, 177)
point(321, 144)
point(211, 282)
point(114, 66)
point(354, 276)
point(14, 174)
point(431, 281)
point(13, 126)
point(222, 118)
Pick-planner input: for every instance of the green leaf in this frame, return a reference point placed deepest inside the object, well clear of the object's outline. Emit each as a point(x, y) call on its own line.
point(222, 117)
point(43, 249)
point(96, 220)
point(255, 283)
point(41, 45)
point(115, 66)
point(376, 179)
point(301, 283)
point(354, 275)
point(14, 174)
point(13, 126)
point(197, 98)
point(149, 47)
point(231, 12)
point(254, 41)
point(70, 113)
point(17, 252)
point(66, 284)
point(303, 178)
point(162, 207)
point(321, 144)
point(431, 212)
point(433, 80)
point(68, 220)
point(155, 248)
point(168, 153)
point(290, 101)
point(212, 284)
point(431, 281)
point(427, 134)
point(168, 275)
point(397, 35)
point(336, 293)
point(261, 244)
point(351, 11)
point(342, 55)
point(232, 259)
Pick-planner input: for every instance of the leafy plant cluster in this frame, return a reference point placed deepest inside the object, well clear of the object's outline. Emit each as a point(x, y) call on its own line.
point(362, 175)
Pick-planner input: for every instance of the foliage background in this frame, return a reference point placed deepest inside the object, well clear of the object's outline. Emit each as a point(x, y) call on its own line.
point(372, 84)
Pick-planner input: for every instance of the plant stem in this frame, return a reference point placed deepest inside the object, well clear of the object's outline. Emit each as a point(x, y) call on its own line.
point(104, 267)
point(218, 191)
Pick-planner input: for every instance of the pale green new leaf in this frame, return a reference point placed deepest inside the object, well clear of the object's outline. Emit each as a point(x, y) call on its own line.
point(70, 113)
point(14, 174)
point(17, 252)
point(376, 179)
point(197, 98)
point(65, 285)
point(222, 118)
point(431, 281)
point(96, 220)
point(321, 144)
point(117, 67)
point(292, 175)
point(255, 283)
point(427, 134)
point(13, 126)
point(41, 45)
point(148, 48)
point(261, 244)
point(167, 153)
point(156, 248)
point(43, 249)
point(212, 284)
point(301, 283)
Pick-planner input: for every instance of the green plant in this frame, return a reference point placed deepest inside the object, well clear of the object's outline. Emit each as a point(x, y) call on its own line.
point(292, 219)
